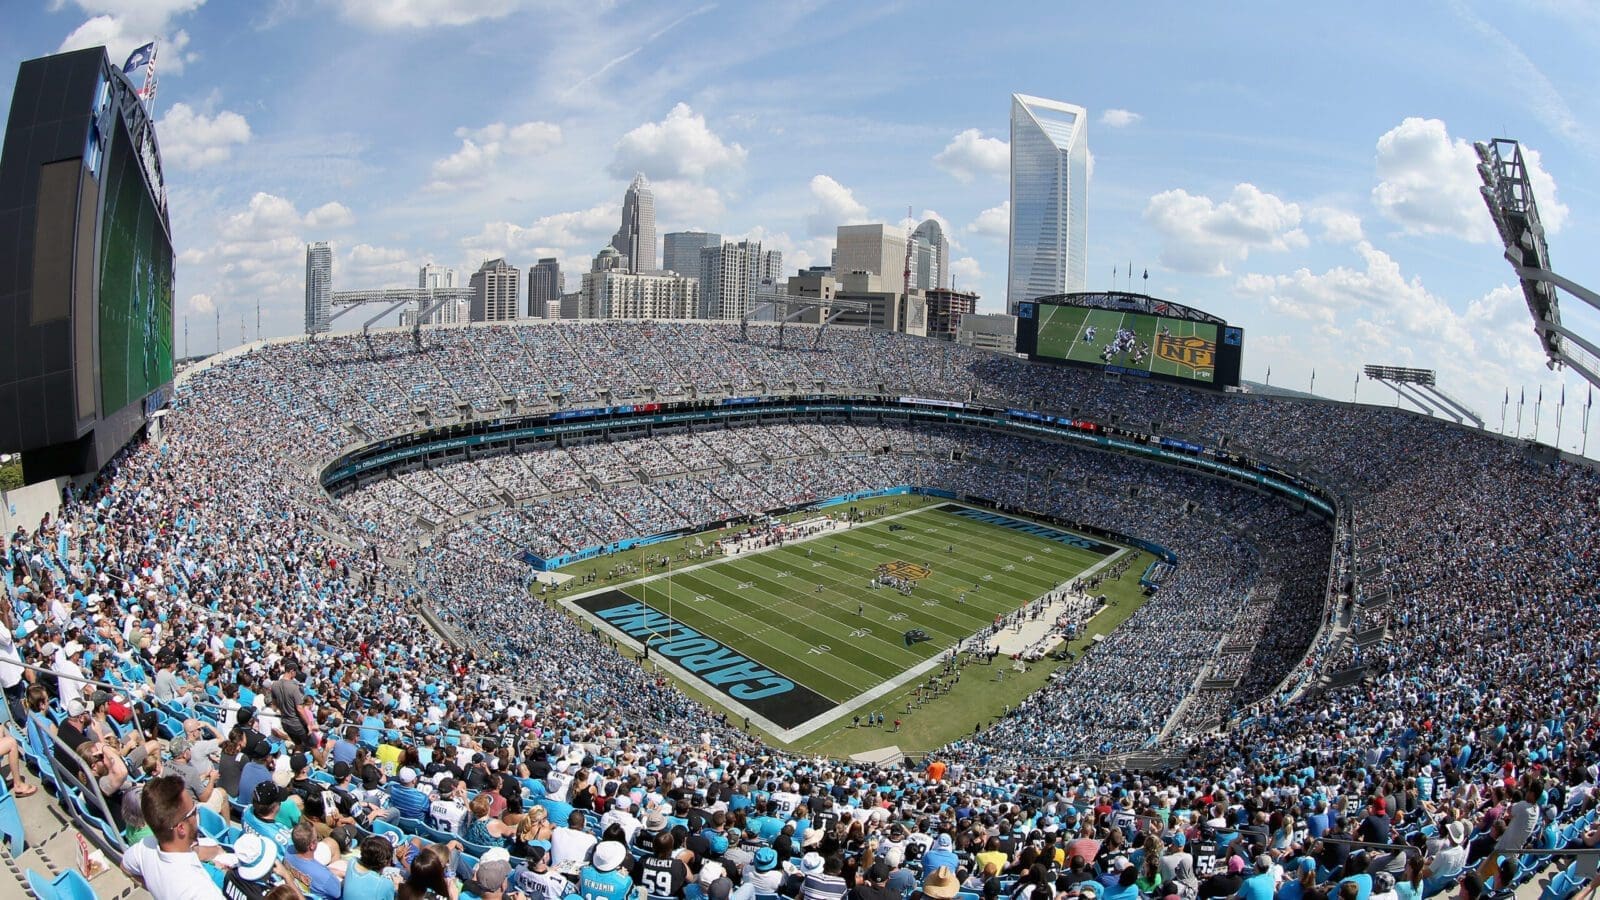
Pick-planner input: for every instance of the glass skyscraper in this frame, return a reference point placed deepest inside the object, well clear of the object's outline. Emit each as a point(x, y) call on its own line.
point(1049, 213)
point(319, 287)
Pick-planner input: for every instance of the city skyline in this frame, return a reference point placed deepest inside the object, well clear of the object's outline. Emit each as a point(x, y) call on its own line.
point(1330, 209)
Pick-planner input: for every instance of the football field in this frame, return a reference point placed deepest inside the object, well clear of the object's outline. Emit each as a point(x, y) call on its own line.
point(796, 637)
point(1082, 335)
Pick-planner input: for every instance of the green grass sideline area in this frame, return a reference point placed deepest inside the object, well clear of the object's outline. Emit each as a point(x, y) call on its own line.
point(798, 639)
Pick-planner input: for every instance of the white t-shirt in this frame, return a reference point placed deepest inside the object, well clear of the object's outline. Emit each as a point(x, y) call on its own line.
point(169, 876)
point(569, 845)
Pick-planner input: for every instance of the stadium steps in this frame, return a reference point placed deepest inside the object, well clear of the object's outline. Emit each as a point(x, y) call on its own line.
point(53, 847)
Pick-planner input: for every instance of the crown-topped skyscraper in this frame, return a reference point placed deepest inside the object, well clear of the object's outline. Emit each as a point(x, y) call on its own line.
point(636, 239)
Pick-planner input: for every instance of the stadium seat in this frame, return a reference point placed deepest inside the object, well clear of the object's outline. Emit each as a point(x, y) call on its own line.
point(11, 824)
point(69, 885)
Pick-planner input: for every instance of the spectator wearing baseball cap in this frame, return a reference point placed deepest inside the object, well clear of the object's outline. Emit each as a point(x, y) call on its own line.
point(537, 881)
point(199, 776)
point(266, 801)
point(876, 884)
point(257, 766)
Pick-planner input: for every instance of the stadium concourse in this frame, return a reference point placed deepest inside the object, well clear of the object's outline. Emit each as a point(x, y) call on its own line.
point(359, 689)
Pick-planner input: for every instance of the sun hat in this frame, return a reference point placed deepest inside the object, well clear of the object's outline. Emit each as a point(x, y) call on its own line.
point(941, 885)
point(608, 855)
point(256, 856)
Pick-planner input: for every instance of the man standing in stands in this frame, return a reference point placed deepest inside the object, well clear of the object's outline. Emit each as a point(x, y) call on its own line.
point(299, 720)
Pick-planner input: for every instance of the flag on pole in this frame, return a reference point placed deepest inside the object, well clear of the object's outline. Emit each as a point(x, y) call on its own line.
point(139, 58)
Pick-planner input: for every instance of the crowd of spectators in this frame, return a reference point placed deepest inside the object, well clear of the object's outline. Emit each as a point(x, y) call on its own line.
point(271, 635)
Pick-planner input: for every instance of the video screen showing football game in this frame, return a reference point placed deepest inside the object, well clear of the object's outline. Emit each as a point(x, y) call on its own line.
point(1176, 348)
point(135, 284)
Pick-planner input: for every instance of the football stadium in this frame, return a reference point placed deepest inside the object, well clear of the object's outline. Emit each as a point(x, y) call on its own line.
point(693, 609)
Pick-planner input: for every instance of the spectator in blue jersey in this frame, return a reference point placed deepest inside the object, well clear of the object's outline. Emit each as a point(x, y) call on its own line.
point(942, 853)
point(602, 878)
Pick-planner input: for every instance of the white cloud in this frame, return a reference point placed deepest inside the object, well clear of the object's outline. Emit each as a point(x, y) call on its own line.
point(373, 267)
point(967, 272)
point(122, 25)
point(332, 214)
point(1200, 235)
point(835, 205)
point(192, 140)
point(200, 305)
point(389, 14)
point(684, 204)
point(481, 148)
point(1428, 184)
point(578, 234)
point(1379, 313)
point(970, 155)
point(680, 146)
point(1119, 118)
point(993, 222)
point(1338, 226)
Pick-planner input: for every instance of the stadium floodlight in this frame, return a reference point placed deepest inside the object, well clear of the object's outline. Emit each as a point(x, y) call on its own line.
point(1421, 387)
point(1508, 193)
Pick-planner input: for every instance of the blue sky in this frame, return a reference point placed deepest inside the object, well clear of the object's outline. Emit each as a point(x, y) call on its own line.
point(1305, 173)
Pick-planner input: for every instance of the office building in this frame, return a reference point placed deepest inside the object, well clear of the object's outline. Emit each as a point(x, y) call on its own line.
point(945, 309)
point(636, 239)
point(681, 251)
point(546, 284)
point(319, 286)
point(432, 278)
point(874, 249)
point(1049, 209)
point(930, 258)
point(988, 331)
point(614, 294)
point(496, 290)
point(731, 276)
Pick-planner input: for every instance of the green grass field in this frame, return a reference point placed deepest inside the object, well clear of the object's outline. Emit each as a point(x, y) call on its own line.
point(1063, 329)
point(807, 612)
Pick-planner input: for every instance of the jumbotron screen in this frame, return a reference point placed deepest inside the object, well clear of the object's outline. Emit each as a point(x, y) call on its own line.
point(135, 284)
point(1132, 343)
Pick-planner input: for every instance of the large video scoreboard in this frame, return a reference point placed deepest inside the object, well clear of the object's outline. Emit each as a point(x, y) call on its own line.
point(1131, 334)
point(86, 266)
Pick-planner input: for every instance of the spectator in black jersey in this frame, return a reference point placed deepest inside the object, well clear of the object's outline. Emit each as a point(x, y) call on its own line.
point(662, 873)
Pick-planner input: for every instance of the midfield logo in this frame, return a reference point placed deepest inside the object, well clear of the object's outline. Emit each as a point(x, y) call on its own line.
point(1195, 352)
point(909, 571)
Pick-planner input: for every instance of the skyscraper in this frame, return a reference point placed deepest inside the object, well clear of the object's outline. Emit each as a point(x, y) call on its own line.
point(931, 257)
point(732, 274)
point(636, 239)
point(319, 286)
point(546, 284)
point(495, 291)
point(1049, 210)
point(432, 278)
point(681, 251)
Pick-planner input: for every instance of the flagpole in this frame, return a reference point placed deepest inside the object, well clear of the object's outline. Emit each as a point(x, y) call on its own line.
point(1521, 399)
point(1503, 404)
point(1538, 405)
point(1560, 406)
point(1585, 451)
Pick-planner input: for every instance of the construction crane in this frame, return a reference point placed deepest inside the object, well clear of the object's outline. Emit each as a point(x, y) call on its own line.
point(905, 290)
